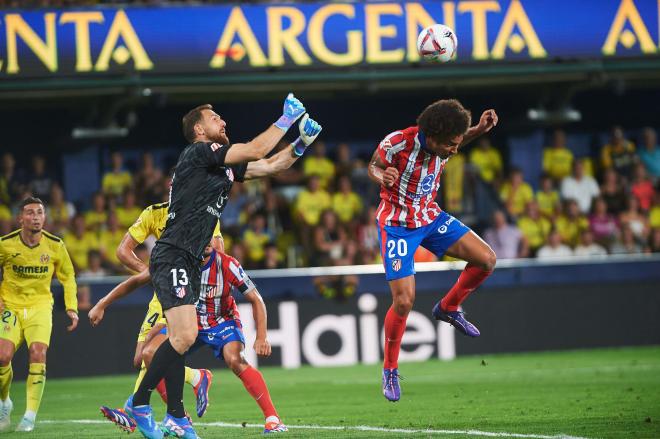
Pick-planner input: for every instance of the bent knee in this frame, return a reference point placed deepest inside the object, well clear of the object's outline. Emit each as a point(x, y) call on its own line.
point(489, 260)
point(37, 354)
point(5, 358)
point(183, 341)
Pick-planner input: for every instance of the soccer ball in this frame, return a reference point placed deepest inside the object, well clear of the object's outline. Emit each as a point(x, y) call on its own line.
point(437, 43)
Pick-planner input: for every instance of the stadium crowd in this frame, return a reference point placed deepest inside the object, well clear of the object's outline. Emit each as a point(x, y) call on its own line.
point(321, 212)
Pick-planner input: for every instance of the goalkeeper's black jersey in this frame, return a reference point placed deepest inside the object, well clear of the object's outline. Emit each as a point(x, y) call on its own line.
point(199, 193)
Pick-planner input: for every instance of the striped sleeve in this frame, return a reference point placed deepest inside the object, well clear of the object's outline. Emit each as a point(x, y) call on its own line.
point(390, 146)
point(237, 277)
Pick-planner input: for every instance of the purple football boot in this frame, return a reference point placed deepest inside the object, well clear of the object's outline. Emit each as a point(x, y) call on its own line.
point(391, 388)
point(456, 319)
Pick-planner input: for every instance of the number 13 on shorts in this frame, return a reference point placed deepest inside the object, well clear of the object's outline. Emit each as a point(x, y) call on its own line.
point(179, 281)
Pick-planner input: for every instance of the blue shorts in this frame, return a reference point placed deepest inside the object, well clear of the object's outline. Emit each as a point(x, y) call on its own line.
point(218, 336)
point(398, 244)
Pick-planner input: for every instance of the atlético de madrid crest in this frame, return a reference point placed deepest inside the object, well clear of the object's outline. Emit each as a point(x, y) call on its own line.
point(396, 264)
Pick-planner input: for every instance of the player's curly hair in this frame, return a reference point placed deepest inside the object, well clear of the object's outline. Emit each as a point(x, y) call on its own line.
point(191, 118)
point(444, 120)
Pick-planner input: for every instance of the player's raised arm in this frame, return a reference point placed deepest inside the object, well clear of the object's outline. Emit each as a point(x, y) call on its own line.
point(309, 130)
point(487, 121)
point(123, 289)
point(261, 145)
point(261, 344)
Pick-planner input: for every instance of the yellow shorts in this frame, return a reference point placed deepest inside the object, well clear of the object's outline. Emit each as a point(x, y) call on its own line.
point(154, 316)
point(27, 324)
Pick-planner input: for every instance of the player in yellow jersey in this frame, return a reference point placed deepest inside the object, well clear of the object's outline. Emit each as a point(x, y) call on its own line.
point(29, 257)
point(152, 222)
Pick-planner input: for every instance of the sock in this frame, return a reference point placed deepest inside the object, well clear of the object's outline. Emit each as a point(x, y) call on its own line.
point(34, 387)
point(140, 377)
point(162, 390)
point(6, 375)
point(164, 357)
point(395, 326)
point(29, 414)
point(193, 376)
point(174, 386)
point(468, 281)
point(256, 386)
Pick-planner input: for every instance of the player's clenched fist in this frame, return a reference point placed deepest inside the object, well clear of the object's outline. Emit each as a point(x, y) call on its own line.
point(390, 175)
point(262, 348)
point(293, 109)
point(95, 315)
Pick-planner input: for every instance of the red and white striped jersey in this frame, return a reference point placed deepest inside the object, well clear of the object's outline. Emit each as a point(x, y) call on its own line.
point(410, 202)
point(220, 275)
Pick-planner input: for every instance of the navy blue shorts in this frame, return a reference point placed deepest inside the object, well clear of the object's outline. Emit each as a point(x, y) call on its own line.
point(398, 244)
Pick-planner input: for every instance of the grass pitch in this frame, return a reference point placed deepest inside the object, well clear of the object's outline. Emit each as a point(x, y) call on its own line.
point(609, 393)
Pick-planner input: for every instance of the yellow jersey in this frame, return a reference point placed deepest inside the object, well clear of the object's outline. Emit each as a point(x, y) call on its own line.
point(311, 204)
point(115, 184)
point(152, 222)
point(321, 166)
point(521, 197)
point(28, 271)
point(80, 247)
point(536, 231)
point(346, 206)
point(654, 217)
point(548, 202)
point(557, 162)
point(489, 163)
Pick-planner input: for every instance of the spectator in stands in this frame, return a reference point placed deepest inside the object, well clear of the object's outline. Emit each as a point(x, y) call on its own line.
point(516, 193)
point(619, 154)
point(94, 270)
point(9, 179)
point(345, 163)
point(367, 238)
point(275, 213)
point(654, 214)
point(587, 246)
point(79, 242)
point(487, 160)
point(255, 239)
point(109, 240)
point(558, 159)
point(148, 181)
point(654, 241)
point(127, 212)
point(117, 180)
point(642, 187)
point(650, 153)
point(41, 181)
point(602, 224)
point(554, 247)
point(272, 257)
point(59, 211)
point(311, 202)
point(534, 227)
point(318, 164)
point(547, 197)
point(332, 247)
point(580, 187)
point(571, 223)
point(612, 192)
point(346, 203)
point(635, 220)
point(6, 222)
point(231, 216)
point(96, 218)
point(505, 239)
point(626, 242)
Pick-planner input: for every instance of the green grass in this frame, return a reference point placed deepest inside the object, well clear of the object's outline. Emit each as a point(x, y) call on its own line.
point(609, 393)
